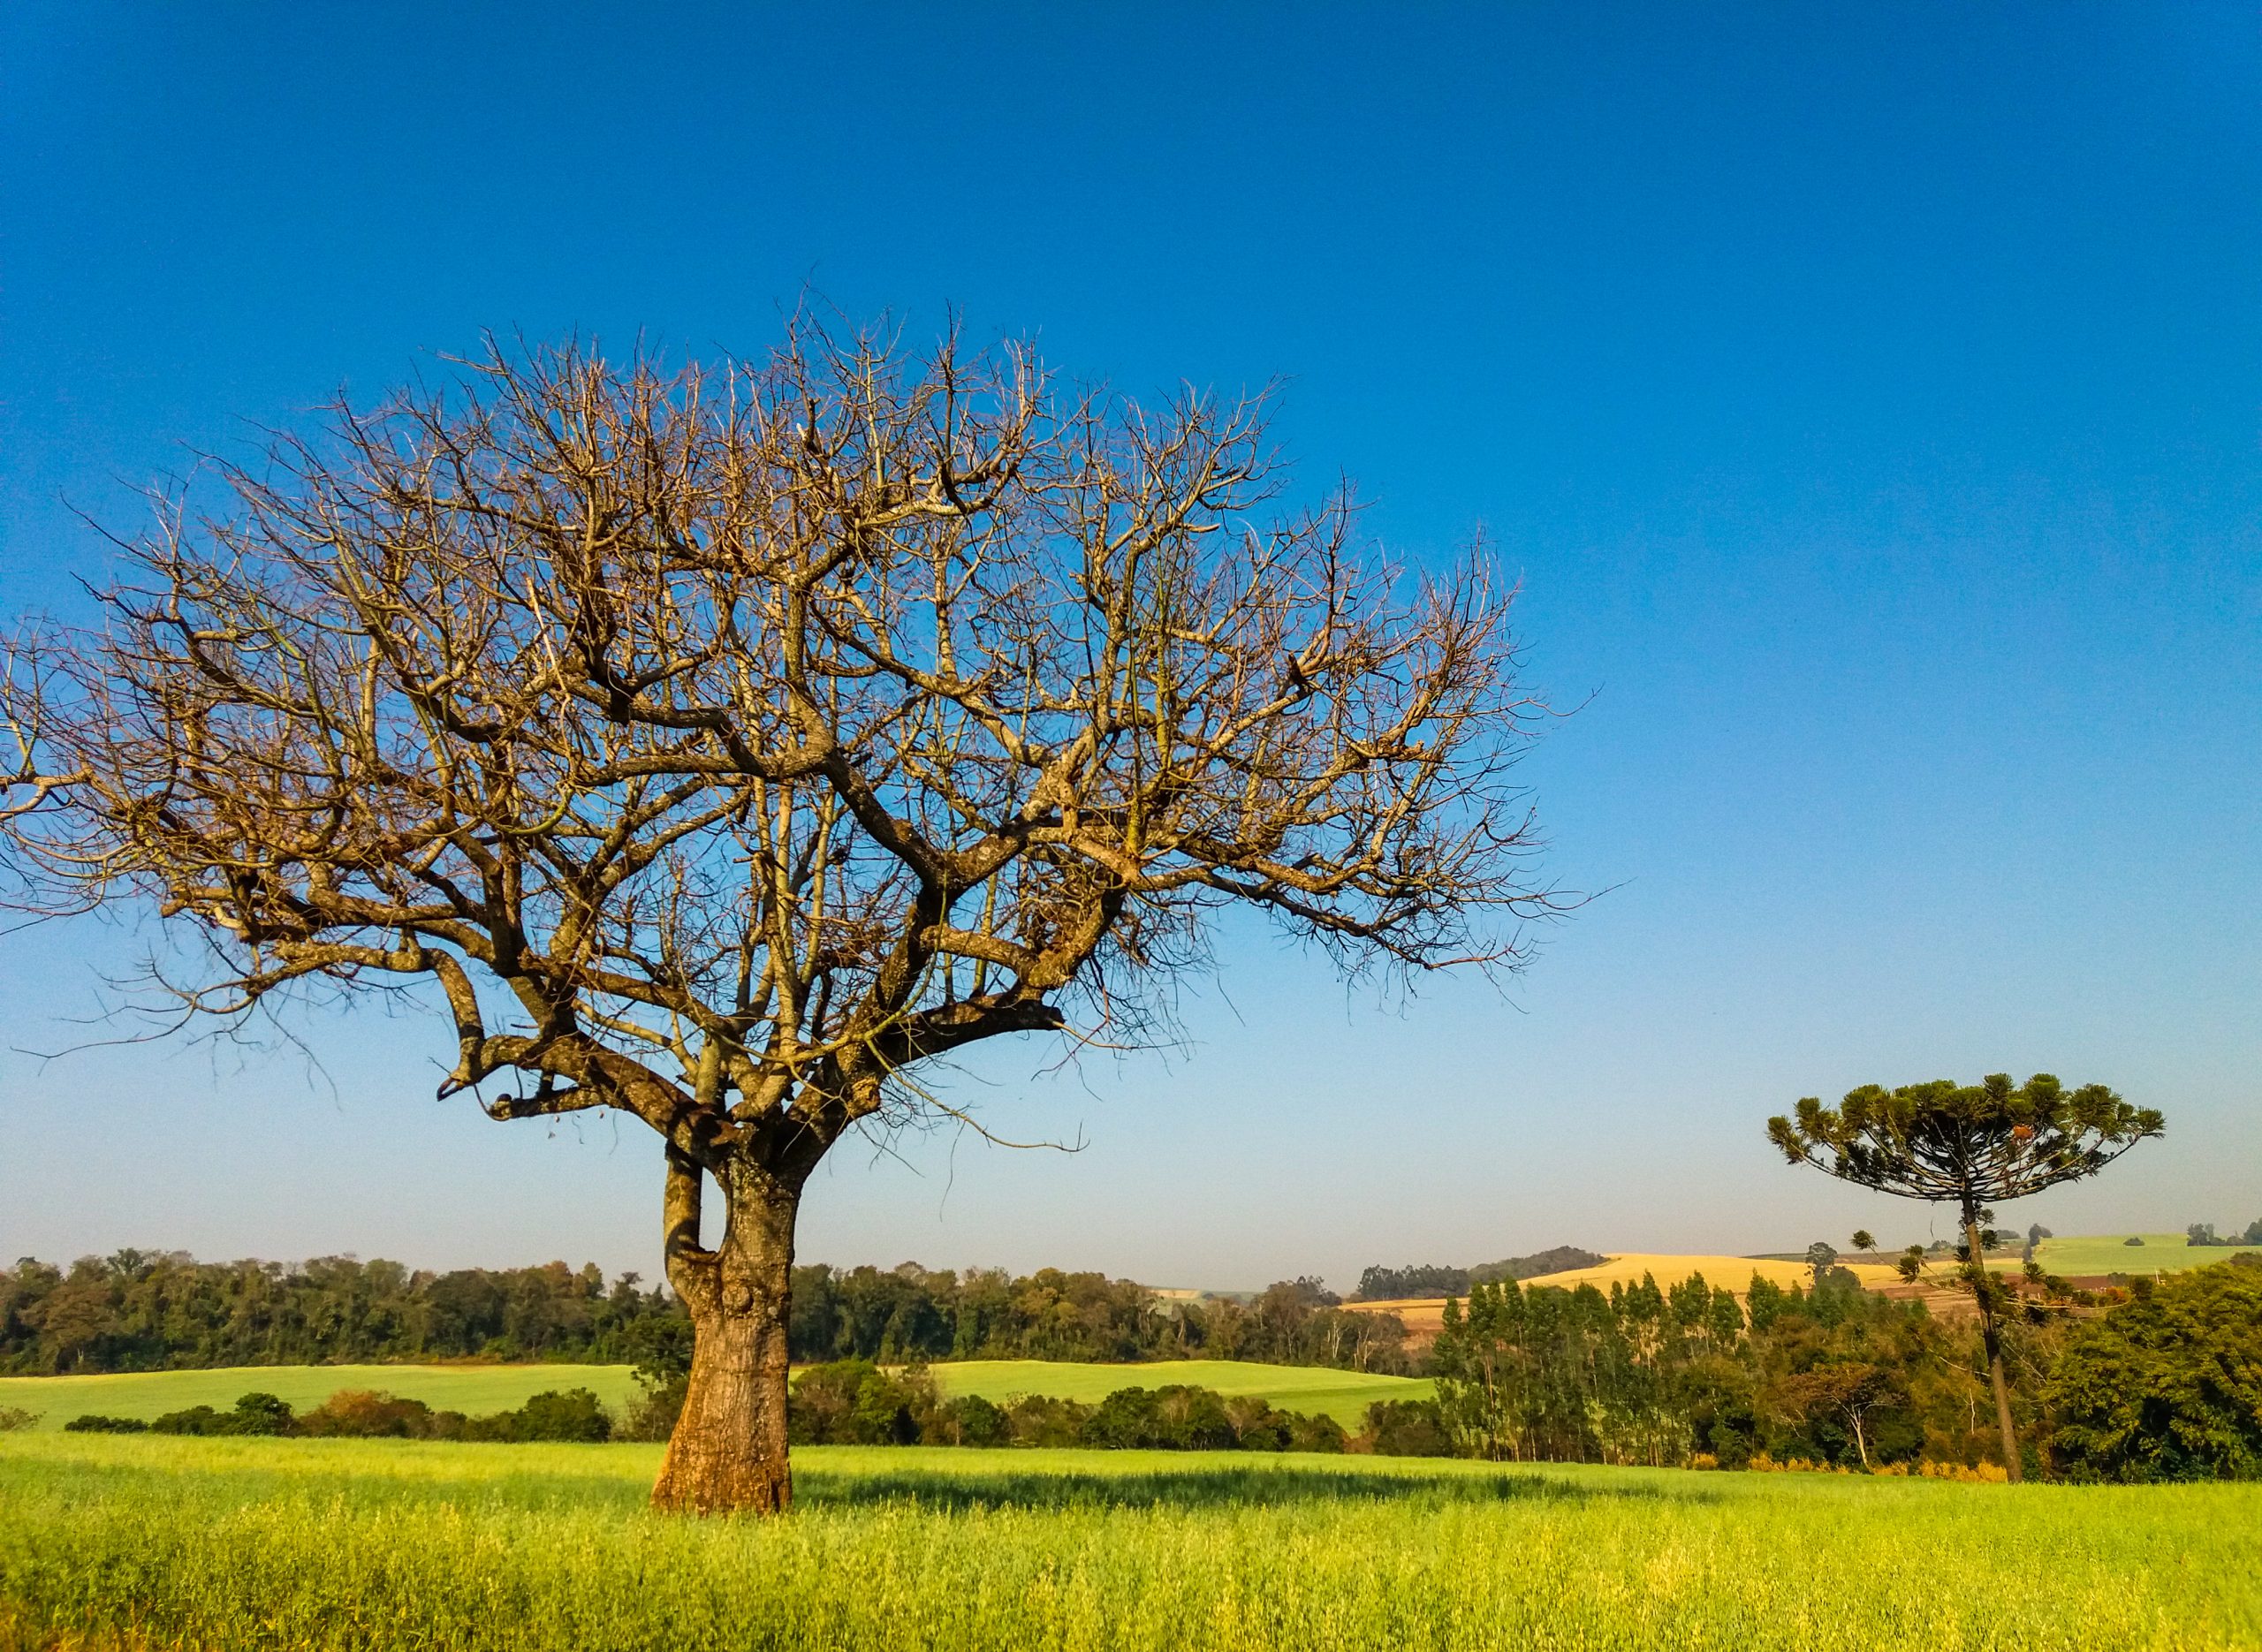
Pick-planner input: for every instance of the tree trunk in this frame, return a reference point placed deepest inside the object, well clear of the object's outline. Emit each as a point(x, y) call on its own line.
point(728, 1453)
point(1993, 1342)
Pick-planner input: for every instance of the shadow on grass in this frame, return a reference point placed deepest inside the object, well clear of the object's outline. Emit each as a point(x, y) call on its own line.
point(1201, 1487)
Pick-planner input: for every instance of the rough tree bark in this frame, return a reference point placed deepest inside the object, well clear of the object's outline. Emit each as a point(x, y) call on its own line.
point(728, 1451)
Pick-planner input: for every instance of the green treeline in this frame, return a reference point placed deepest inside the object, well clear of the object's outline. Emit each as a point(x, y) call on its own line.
point(2165, 1385)
point(911, 1313)
point(1379, 1283)
point(145, 1311)
point(141, 1311)
point(572, 1414)
point(853, 1402)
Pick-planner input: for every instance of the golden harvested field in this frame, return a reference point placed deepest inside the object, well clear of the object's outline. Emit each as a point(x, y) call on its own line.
point(1424, 1315)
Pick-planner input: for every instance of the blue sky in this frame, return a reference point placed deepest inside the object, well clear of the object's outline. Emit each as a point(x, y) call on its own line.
point(1866, 398)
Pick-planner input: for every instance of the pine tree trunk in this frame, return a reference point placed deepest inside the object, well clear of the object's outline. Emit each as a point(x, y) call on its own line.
point(1993, 1342)
point(728, 1453)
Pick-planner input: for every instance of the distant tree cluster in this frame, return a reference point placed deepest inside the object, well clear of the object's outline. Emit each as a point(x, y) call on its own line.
point(570, 1414)
point(912, 1313)
point(2204, 1233)
point(1386, 1285)
point(144, 1311)
point(2169, 1385)
point(137, 1311)
point(1688, 1375)
point(853, 1402)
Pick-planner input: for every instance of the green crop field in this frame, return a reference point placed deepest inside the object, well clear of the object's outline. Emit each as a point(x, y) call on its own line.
point(240, 1543)
point(475, 1389)
point(1342, 1395)
point(470, 1389)
point(2111, 1253)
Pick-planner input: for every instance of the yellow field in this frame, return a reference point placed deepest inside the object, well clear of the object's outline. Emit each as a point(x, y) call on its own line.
point(1731, 1273)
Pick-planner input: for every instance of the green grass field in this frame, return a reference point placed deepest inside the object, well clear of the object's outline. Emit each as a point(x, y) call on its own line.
point(475, 1389)
point(237, 1543)
point(470, 1389)
point(2111, 1253)
point(1342, 1395)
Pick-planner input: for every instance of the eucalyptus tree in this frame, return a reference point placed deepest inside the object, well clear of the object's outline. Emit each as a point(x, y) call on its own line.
point(727, 747)
point(1972, 1146)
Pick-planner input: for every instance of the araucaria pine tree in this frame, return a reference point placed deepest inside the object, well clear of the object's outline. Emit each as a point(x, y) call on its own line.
point(1973, 1146)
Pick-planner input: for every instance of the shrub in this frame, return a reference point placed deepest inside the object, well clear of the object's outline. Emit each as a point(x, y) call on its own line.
point(194, 1420)
point(92, 1423)
point(1176, 1418)
point(260, 1413)
point(15, 1417)
point(1040, 1420)
point(1407, 1428)
point(970, 1420)
point(853, 1402)
point(2169, 1385)
point(369, 1414)
point(1256, 1426)
point(1315, 1434)
point(573, 1415)
point(652, 1416)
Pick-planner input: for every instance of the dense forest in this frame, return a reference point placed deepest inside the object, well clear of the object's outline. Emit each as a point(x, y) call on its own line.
point(138, 1311)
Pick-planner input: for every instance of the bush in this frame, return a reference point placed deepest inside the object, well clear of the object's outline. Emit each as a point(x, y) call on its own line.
point(1040, 1420)
point(260, 1413)
point(364, 1414)
point(572, 1416)
point(970, 1420)
point(1176, 1418)
point(254, 1413)
point(1256, 1426)
point(2169, 1385)
point(1407, 1428)
point(93, 1424)
point(652, 1416)
point(15, 1417)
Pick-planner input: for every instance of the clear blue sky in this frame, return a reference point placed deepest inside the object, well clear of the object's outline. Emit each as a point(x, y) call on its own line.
point(1867, 398)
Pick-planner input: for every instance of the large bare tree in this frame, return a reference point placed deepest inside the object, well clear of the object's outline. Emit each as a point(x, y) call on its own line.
point(721, 746)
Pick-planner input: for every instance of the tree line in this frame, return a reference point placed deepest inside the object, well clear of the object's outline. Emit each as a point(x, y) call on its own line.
point(2165, 1383)
point(2204, 1233)
point(1379, 1283)
point(136, 1310)
point(574, 1414)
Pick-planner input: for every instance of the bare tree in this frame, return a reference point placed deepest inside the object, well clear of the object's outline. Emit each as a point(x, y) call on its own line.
point(720, 745)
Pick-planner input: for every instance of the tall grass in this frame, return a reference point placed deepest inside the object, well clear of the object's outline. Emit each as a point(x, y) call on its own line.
point(242, 1544)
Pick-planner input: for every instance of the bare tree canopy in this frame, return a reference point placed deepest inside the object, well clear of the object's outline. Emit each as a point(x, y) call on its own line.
point(723, 742)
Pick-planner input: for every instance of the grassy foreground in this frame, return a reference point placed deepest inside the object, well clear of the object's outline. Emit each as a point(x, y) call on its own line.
point(243, 1543)
point(476, 1388)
